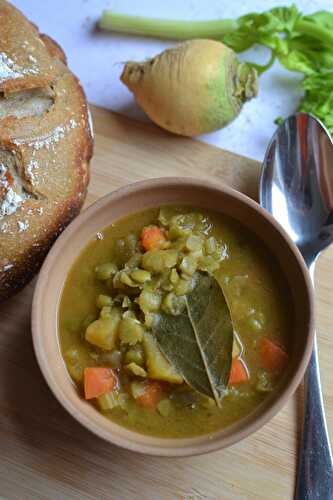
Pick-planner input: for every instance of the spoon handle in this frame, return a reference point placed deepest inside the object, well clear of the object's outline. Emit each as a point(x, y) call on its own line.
point(315, 470)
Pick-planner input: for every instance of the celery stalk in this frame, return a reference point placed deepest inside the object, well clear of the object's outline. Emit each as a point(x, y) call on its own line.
point(315, 31)
point(165, 28)
point(184, 29)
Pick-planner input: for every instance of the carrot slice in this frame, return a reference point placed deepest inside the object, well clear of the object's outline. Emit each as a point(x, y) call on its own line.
point(98, 381)
point(152, 395)
point(152, 237)
point(273, 357)
point(238, 372)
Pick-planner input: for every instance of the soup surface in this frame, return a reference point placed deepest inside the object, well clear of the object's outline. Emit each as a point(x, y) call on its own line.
point(175, 322)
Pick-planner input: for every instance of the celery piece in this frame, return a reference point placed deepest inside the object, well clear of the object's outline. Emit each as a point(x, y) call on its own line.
point(164, 407)
point(135, 355)
point(137, 389)
point(112, 400)
point(136, 370)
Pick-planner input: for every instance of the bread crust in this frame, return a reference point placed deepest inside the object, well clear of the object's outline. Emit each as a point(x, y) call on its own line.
point(53, 48)
point(48, 154)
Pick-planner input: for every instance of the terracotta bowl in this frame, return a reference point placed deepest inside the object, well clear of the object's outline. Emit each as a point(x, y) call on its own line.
point(136, 197)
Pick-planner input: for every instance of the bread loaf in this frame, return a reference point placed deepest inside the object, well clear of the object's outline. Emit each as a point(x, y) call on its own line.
point(45, 147)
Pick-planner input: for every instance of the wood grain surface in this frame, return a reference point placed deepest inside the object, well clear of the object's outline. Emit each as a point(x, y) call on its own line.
point(45, 454)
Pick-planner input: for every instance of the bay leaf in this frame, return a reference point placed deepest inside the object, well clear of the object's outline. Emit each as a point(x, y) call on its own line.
point(199, 341)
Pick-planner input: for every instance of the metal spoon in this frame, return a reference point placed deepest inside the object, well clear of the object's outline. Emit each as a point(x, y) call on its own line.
point(296, 187)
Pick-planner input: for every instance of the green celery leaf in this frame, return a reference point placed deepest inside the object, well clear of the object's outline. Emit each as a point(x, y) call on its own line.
point(299, 61)
point(264, 29)
point(322, 18)
point(318, 98)
point(300, 43)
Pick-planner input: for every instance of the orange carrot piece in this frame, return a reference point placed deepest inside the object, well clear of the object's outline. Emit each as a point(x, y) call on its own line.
point(238, 372)
point(273, 357)
point(152, 237)
point(152, 395)
point(98, 381)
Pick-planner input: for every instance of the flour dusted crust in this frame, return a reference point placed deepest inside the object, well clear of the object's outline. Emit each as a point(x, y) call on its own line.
point(45, 147)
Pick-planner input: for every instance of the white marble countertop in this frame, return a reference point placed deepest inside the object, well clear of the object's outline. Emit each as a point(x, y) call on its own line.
point(97, 58)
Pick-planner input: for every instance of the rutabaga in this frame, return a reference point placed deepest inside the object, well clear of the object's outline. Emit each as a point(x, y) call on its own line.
point(197, 87)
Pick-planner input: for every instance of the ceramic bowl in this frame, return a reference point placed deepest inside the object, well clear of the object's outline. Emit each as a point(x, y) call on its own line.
point(133, 198)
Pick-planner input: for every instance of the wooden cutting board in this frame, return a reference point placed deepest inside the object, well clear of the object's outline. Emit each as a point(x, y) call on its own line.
point(45, 454)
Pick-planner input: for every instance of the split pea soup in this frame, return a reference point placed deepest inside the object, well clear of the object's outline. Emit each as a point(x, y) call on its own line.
point(175, 322)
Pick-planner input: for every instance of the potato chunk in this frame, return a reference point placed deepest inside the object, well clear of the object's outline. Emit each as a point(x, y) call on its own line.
point(103, 332)
point(158, 366)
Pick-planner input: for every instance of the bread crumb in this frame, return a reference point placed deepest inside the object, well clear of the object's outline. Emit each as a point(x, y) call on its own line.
point(32, 165)
point(7, 267)
point(10, 203)
point(22, 225)
point(4, 227)
point(32, 58)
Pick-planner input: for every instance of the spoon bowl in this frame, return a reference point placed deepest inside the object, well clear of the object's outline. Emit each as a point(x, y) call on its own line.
point(296, 184)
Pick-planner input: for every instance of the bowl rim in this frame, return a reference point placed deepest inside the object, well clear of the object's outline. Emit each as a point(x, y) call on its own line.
point(210, 444)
